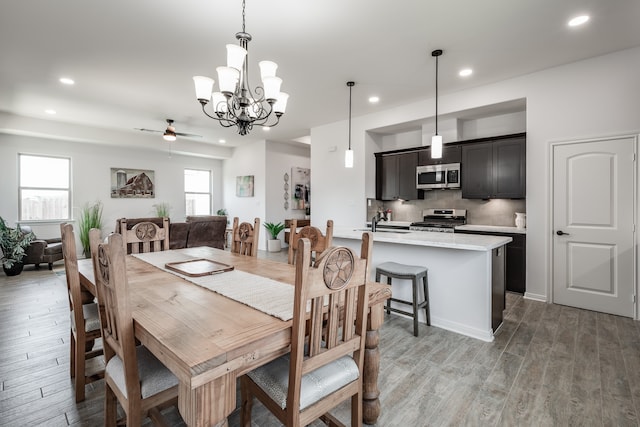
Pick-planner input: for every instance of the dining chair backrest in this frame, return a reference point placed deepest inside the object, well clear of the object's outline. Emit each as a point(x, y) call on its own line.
point(319, 242)
point(133, 375)
point(327, 340)
point(111, 284)
point(145, 236)
point(85, 327)
point(245, 236)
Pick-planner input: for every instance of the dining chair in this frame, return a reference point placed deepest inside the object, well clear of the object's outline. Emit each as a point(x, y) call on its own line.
point(133, 375)
point(325, 365)
point(145, 236)
point(319, 242)
point(85, 321)
point(245, 237)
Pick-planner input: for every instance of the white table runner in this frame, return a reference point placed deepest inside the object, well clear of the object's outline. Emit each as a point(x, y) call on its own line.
point(264, 294)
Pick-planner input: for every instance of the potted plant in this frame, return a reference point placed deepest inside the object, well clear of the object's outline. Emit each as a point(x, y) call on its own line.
point(162, 210)
point(13, 243)
point(90, 217)
point(273, 244)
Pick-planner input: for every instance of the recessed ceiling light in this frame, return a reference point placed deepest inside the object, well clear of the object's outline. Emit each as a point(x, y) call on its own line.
point(67, 81)
point(465, 72)
point(266, 128)
point(578, 20)
point(374, 99)
point(222, 141)
point(52, 112)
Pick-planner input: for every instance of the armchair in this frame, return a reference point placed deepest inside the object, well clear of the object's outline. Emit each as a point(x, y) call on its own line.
point(42, 250)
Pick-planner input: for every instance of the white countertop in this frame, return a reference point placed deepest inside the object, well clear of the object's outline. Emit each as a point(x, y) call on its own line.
point(492, 228)
point(470, 242)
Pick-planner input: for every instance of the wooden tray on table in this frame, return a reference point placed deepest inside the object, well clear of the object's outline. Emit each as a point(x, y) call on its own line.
point(198, 267)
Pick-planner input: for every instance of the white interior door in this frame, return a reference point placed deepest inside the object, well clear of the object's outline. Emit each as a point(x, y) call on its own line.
point(593, 225)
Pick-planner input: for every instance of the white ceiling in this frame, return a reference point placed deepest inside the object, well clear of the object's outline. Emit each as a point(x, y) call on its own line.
point(133, 60)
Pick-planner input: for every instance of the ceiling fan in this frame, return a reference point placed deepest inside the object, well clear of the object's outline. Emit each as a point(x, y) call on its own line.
point(170, 133)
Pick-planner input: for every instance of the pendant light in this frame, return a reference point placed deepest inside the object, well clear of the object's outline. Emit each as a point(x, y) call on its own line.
point(348, 155)
point(436, 140)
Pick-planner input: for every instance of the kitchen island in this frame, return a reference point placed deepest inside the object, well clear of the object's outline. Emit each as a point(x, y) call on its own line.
point(466, 274)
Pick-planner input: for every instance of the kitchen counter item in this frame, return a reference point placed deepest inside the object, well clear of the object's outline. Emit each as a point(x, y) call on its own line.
point(521, 220)
point(491, 228)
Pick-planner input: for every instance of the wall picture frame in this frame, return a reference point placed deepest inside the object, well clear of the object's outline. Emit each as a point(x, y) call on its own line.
point(244, 186)
point(132, 183)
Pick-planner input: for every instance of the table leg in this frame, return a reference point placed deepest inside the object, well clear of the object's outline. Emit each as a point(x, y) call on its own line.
point(370, 391)
point(209, 404)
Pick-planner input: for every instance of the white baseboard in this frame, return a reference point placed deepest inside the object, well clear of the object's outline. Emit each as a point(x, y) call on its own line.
point(535, 297)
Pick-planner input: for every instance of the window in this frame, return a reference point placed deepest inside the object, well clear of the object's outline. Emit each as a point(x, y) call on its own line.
point(197, 192)
point(45, 187)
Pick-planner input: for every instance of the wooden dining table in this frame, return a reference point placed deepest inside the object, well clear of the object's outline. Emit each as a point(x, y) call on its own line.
point(208, 340)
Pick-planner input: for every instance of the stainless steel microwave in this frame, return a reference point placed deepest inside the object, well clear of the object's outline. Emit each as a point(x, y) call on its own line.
point(438, 176)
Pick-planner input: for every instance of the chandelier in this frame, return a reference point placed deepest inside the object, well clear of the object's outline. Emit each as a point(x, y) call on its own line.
point(236, 104)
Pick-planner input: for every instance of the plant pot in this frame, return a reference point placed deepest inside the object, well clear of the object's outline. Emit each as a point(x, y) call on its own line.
point(14, 270)
point(273, 245)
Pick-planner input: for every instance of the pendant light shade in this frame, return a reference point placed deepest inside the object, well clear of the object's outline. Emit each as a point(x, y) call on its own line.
point(348, 155)
point(436, 140)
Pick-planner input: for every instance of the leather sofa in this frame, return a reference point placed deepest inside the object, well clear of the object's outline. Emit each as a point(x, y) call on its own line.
point(42, 250)
point(197, 230)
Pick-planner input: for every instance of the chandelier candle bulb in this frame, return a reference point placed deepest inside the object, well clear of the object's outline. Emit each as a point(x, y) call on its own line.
point(227, 79)
point(281, 104)
point(204, 87)
point(271, 88)
point(235, 56)
point(267, 69)
point(219, 103)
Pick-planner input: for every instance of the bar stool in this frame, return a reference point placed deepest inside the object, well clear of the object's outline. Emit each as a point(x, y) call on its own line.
point(409, 272)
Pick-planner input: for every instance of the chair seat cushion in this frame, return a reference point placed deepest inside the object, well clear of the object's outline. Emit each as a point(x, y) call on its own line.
point(398, 269)
point(154, 376)
point(91, 317)
point(273, 378)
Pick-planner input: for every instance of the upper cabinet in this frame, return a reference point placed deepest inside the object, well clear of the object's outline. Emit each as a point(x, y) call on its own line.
point(450, 154)
point(494, 169)
point(396, 176)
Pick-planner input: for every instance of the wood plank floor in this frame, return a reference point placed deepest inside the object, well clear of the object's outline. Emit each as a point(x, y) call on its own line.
point(550, 366)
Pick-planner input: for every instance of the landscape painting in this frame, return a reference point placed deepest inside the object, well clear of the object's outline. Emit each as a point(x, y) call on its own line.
point(132, 183)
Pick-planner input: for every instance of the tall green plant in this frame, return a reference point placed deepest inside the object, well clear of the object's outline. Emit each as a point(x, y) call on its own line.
point(13, 243)
point(162, 209)
point(90, 217)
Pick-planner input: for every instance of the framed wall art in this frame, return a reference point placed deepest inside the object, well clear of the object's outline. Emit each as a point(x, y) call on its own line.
point(244, 186)
point(132, 183)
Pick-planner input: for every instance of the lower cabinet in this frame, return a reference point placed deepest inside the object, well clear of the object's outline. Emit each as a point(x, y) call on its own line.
point(516, 269)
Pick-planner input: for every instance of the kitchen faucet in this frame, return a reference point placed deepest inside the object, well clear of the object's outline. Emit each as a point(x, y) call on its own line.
point(377, 218)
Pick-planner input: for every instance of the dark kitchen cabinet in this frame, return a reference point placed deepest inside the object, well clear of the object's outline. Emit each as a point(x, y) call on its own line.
point(494, 169)
point(450, 154)
point(516, 269)
point(396, 176)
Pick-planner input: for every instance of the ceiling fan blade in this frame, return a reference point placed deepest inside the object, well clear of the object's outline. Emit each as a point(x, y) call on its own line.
point(149, 130)
point(192, 135)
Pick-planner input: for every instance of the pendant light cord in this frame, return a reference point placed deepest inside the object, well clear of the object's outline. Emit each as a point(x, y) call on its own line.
point(350, 87)
point(436, 95)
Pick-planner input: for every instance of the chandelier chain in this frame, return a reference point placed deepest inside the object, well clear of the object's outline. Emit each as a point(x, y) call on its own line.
point(243, 16)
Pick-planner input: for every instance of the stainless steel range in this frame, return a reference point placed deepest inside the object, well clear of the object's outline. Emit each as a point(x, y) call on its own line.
point(440, 220)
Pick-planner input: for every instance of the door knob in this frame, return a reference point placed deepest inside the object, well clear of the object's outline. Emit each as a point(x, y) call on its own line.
point(561, 233)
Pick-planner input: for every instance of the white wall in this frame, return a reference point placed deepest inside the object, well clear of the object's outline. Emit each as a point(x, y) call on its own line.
point(591, 98)
point(281, 157)
point(267, 161)
point(91, 178)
